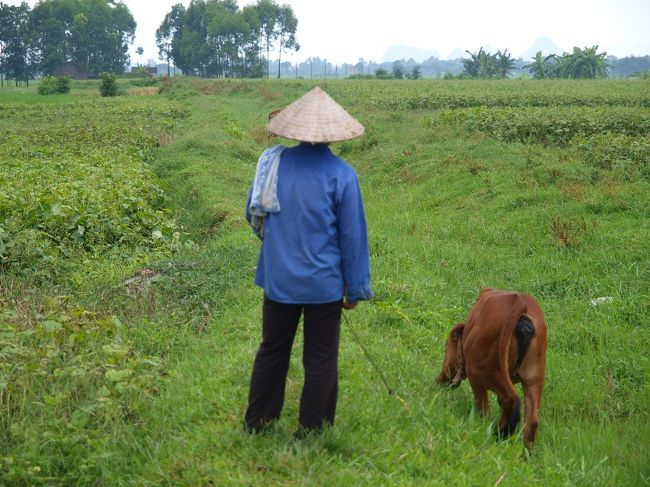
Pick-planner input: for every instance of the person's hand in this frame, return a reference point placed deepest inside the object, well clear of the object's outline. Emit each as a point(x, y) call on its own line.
point(346, 303)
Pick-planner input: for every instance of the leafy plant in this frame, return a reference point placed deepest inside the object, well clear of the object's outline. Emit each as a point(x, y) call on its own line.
point(108, 86)
point(569, 232)
point(83, 185)
point(54, 85)
point(548, 125)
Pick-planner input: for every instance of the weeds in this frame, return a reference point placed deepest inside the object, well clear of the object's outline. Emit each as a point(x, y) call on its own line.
point(569, 232)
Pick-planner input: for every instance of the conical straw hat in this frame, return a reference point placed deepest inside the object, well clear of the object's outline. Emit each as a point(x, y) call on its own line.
point(315, 117)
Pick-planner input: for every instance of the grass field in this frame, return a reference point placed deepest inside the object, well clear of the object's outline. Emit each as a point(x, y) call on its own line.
point(129, 319)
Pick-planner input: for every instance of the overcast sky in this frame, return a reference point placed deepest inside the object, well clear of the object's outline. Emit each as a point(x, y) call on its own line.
point(346, 30)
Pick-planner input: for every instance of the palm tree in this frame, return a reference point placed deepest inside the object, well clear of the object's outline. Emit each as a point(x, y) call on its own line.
point(470, 66)
point(481, 65)
point(542, 67)
point(486, 64)
point(585, 63)
point(504, 63)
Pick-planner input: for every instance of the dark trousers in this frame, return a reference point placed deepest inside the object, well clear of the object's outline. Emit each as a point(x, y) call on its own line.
point(322, 325)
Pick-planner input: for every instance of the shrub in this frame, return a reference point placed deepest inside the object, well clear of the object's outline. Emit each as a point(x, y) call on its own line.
point(548, 125)
point(63, 85)
point(611, 151)
point(54, 85)
point(82, 186)
point(108, 86)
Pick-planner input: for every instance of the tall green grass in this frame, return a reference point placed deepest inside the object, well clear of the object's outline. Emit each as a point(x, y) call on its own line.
point(167, 361)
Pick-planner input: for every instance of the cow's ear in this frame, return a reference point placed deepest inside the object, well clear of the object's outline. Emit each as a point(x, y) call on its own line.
point(457, 332)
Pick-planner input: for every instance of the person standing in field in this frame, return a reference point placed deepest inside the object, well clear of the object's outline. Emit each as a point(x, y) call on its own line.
point(305, 205)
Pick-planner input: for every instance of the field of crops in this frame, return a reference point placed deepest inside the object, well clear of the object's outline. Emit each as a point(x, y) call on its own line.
point(129, 319)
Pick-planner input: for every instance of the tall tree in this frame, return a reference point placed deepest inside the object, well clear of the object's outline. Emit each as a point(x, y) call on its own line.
point(252, 48)
point(216, 38)
point(416, 72)
point(194, 52)
point(96, 34)
point(168, 35)
point(398, 70)
point(227, 34)
point(6, 22)
point(287, 24)
point(503, 63)
point(484, 65)
point(585, 63)
point(541, 67)
point(16, 54)
point(267, 12)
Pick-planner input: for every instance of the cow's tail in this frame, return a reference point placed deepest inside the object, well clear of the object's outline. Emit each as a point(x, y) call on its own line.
point(524, 331)
point(521, 326)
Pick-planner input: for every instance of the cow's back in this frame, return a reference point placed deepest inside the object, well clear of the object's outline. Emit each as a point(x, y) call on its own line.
point(492, 315)
point(491, 330)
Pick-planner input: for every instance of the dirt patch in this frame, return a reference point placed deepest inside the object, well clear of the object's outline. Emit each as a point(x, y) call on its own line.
point(142, 280)
point(149, 91)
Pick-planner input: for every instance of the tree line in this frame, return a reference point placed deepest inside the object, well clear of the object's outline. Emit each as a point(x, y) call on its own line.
point(94, 34)
point(214, 38)
point(315, 67)
point(585, 63)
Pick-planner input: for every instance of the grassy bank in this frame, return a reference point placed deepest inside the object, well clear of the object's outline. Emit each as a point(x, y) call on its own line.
point(134, 360)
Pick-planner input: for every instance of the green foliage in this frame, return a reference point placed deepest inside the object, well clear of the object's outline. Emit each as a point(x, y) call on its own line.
point(416, 72)
point(606, 138)
point(548, 125)
point(611, 151)
point(67, 375)
point(398, 71)
point(93, 34)
point(542, 67)
point(54, 85)
point(645, 74)
point(584, 63)
point(47, 86)
point(75, 178)
point(381, 73)
point(484, 65)
point(218, 39)
point(431, 95)
point(63, 85)
point(108, 86)
point(15, 33)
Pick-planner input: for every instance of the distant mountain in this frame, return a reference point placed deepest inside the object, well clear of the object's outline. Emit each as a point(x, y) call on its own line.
point(398, 52)
point(457, 54)
point(544, 44)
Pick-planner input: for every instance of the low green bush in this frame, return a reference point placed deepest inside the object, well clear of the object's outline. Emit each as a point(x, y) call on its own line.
point(77, 374)
point(626, 153)
point(82, 185)
point(549, 126)
point(108, 86)
point(54, 85)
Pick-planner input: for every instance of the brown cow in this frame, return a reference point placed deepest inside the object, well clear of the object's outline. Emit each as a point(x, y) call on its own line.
point(502, 342)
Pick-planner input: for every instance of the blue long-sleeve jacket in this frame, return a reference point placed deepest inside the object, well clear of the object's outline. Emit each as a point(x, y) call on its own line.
point(317, 244)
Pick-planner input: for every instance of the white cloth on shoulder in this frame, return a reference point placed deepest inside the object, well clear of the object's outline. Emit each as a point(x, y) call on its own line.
point(264, 193)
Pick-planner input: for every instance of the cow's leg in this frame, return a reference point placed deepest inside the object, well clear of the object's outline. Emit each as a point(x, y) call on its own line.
point(510, 409)
point(532, 394)
point(481, 397)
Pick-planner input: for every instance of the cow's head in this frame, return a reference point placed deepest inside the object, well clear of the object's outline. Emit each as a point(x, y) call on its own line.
point(453, 371)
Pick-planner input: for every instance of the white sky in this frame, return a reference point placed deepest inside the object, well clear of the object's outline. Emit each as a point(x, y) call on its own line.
point(346, 30)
